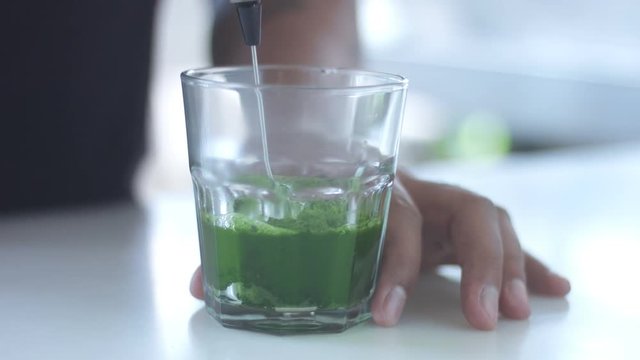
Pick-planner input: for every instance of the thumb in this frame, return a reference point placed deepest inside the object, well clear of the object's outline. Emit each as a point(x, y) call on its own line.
point(196, 284)
point(400, 259)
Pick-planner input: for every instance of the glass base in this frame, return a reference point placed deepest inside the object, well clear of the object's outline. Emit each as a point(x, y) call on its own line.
point(290, 320)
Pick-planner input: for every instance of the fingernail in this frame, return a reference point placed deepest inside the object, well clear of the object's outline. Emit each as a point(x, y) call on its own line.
point(563, 284)
point(489, 301)
point(394, 303)
point(518, 292)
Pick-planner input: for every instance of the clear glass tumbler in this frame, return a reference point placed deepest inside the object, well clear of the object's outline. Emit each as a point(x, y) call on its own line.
point(292, 180)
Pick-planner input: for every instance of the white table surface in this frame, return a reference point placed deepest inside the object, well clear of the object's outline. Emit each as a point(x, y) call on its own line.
point(112, 283)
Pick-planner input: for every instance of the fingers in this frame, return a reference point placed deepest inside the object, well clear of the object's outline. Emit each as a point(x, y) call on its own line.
point(470, 223)
point(196, 284)
point(542, 281)
point(476, 235)
point(514, 300)
point(401, 258)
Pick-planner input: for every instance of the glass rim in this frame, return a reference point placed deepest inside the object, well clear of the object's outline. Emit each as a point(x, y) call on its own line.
point(388, 81)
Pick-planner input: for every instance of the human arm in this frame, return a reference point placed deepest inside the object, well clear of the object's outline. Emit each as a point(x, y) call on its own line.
point(429, 224)
point(304, 32)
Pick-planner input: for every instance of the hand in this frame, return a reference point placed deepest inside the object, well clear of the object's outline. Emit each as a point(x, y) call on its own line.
point(432, 224)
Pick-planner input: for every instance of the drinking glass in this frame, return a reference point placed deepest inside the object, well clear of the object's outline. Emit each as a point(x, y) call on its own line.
point(292, 177)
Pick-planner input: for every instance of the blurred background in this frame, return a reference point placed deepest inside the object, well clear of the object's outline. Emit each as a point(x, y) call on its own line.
point(487, 78)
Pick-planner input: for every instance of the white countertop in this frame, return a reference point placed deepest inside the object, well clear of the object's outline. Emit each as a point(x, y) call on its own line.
point(112, 283)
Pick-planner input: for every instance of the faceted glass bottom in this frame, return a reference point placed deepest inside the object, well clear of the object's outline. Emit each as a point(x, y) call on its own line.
point(288, 321)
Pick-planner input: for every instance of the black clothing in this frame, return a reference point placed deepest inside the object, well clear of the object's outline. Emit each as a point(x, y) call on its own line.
point(74, 98)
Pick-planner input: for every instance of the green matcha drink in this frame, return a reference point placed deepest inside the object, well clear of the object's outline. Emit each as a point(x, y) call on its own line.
point(312, 262)
point(311, 250)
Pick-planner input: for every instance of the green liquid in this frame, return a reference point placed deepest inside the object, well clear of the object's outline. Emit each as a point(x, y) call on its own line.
point(312, 260)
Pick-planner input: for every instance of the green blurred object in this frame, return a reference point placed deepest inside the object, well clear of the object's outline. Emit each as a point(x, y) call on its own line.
point(480, 136)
